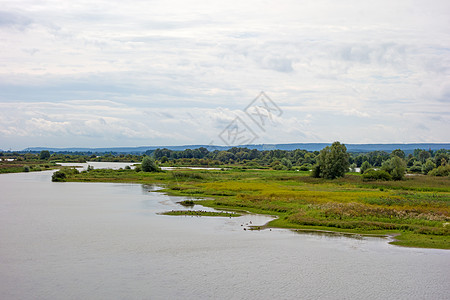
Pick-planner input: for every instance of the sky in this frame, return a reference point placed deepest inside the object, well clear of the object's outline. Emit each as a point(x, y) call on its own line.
point(147, 73)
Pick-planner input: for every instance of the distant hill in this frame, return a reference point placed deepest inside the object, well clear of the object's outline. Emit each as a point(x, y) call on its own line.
point(407, 148)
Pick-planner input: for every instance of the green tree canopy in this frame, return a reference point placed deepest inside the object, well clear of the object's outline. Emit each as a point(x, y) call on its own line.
point(428, 166)
point(44, 155)
point(399, 153)
point(148, 165)
point(333, 162)
point(396, 167)
point(365, 166)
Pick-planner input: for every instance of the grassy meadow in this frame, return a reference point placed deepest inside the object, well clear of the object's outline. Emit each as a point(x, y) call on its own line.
point(26, 166)
point(416, 209)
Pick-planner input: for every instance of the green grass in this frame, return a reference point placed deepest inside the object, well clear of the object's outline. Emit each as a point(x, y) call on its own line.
point(408, 239)
point(416, 208)
point(26, 166)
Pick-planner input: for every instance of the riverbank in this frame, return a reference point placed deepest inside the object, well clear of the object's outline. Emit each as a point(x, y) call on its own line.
point(26, 166)
point(417, 209)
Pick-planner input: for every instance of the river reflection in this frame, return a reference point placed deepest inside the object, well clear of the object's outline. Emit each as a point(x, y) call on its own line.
point(107, 241)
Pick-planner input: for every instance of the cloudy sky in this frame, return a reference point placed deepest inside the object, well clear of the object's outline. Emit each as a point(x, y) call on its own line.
point(134, 73)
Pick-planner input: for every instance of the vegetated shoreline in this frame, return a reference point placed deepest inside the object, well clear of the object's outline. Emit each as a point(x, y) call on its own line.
point(200, 213)
point(241, 212)
point(413, 212)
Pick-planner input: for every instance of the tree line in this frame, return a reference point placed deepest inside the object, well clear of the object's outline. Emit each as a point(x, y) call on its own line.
point(397, 162)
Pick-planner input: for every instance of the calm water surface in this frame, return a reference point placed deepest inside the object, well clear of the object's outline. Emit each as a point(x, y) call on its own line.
point(106, 241)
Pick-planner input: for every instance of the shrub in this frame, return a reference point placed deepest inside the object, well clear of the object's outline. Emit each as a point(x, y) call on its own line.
point(315, 171)
point(416, 168)
point(59, 176)
point(440, 171)
point(372, 174)
point(44, 155)
point(278, 167)
point(26, 168)
point(365, 166)
point(62, 174)
point(305, 167)
point(69, 171)
point(148, 165)
point(253, 164)
point(428, 166)
point(187, 175)
point(287, 163)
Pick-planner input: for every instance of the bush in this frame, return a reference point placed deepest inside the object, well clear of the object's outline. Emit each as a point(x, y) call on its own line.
point(278, 167)
point(44, 155)
point(63, 173)
point(372, 174)
point(428, 166)
point(286, 163)
point(440, 171)
point(315, 171)
point(365, 166)
point(305, 167)
point(252, 164)
point(149, 165)
point(59, 176)
point(138, 168)
point(69, 171)
point(187, 175)
point(416, 168)
point(26, 168)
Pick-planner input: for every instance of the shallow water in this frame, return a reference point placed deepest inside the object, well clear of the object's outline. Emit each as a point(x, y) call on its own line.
point(107, 241)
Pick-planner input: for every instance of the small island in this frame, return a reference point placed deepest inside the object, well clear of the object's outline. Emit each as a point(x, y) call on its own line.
point(200, 213)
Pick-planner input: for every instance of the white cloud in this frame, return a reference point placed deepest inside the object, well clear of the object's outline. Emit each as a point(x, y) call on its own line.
point(146, 67)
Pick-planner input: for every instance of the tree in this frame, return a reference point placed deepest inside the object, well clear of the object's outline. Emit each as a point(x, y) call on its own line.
point(44, 155)
point(424, 155)
point(440, 158)
point(416, 168)
point(365, 166)
point(399, 153)
point(287, 163)
point(149, 165)
point(398, 173)
point(396, 167)
point(332, 161)
point(428, 166)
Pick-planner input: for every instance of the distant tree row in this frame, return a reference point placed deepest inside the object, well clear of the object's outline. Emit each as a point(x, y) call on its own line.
point(375, 162)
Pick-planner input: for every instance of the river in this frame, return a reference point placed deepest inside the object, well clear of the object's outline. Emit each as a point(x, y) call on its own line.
point(107, 241)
